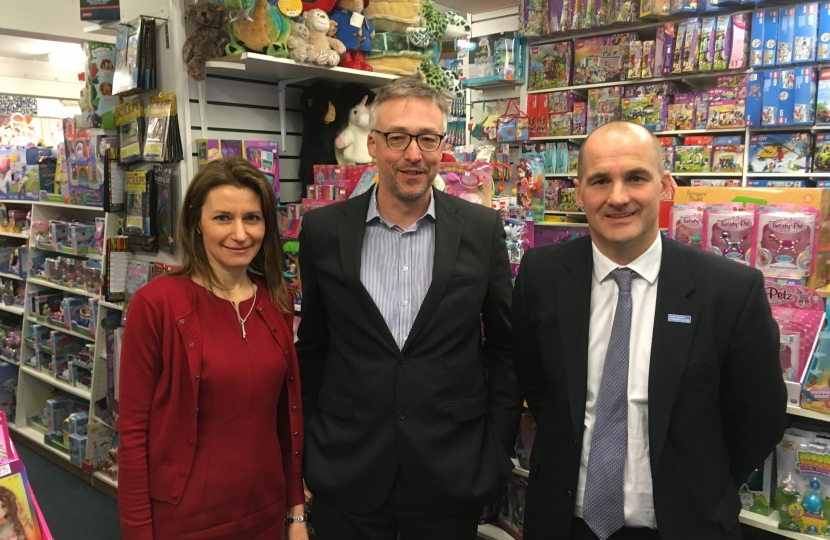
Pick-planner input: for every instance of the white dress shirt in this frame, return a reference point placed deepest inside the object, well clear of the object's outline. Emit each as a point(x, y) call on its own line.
point(639, 501)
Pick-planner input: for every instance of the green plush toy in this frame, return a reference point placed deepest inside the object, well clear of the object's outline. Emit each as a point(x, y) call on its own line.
point(258, 26)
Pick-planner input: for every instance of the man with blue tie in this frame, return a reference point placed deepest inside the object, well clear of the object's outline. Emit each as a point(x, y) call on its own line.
point(651, 367)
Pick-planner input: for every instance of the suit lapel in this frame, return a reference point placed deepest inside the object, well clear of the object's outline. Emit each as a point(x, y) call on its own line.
point(448, 227)
point(574, 312)
point(671, 344)
point(350, 230)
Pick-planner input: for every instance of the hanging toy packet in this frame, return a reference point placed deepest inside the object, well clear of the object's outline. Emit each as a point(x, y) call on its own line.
point(786, 238)
point(471, 181)
point(686, 223)
point(727, 230)
point(803, 480)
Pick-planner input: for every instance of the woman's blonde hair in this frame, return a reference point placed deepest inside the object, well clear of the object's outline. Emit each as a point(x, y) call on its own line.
point(269, 261)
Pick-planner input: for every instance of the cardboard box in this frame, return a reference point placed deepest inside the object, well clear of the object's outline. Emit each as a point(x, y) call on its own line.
point(754, 98)
point(635, 60)
point(691, 46)
point(823, 49)
point(780, 153)
point(562, 157)
point(715, 183)
point(786, 36)
point(664, 49)
point(770, 37)
point(725, 113)
point(603, 106)
point(728, 158)
point(738, 41)
point(648, 111)
point(706, 49)
point(532, 115)
point(821, 153)
point(804, 96)
point(823, 97)
point(756, 182)
point(806, 32)
point(756, 40)
point(785, 97)
point(579, 118)
point(769, 112)
point(693, 158)
point(542, 115)
point(701, 110)
point(697, 140)
point(681, 114)
point(677, 56)
point(100, 10)
point(648, 60)
point(550, 65)
point(722, 42)
point(601, 59)
point(264, 155)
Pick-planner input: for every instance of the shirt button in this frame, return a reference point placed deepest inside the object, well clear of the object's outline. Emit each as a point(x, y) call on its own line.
point(402, 360)
point(197, 376)
point(406, 302)
point(290, 379)
point(402, 415)
point(296, 454)
point(293, 408)
point(189, 443)
point(190, 346)
point(175, 494)
point(261, 310)
point(181, 321)
point(273, 328)
point(296, 434)
point(570, 494)
point(406, 269)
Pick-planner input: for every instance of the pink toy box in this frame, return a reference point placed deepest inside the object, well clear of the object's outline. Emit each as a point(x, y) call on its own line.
point(264, 155)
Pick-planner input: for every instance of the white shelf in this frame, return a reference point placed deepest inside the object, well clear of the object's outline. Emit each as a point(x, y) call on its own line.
point(98, 209)
point(91, 256)
point(492, 532)
point(807, 413)
point(104, 477)
point(110, 305)
point(15, 235)
point(568, 175)
point(11, 276)
point(47, 377)
point(557, 138)
point(60, 329)
point(267, 68)
point(708, 174)
point(37, 438)
point(770, 524)
point(11, 309)
point(38, 281)
point(786, 176)
point(518, 470)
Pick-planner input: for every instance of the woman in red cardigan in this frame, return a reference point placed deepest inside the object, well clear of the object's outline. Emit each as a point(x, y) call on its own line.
point(211, 414)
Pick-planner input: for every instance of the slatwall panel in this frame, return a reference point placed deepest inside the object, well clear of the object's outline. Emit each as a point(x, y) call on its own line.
point(245, 109)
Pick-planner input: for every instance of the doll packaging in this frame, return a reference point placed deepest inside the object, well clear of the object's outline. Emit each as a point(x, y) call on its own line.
point(727, 230)
point(686, 224)
point(786, 241)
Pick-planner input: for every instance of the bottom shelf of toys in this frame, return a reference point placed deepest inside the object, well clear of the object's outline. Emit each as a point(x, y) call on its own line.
point(770, 524)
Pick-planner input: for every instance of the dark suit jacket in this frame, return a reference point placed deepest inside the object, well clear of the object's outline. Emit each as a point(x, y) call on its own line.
point(716, 397)
point(444, 409)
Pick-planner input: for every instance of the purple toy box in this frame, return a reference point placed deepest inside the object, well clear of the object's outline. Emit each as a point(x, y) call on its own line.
point(264, 155)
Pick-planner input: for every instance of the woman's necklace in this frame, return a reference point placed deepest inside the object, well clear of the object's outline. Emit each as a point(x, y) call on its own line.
point(239, 317)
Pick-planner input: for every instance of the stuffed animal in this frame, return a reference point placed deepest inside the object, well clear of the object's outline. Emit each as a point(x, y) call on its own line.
point(258, 26)
point(436, 27)
point(298, 42)
point(322, 49)
point(442, 79)
point(355, 38)
point(208, 38)
point(346, 97)
point(317, 146)
point(351, 146)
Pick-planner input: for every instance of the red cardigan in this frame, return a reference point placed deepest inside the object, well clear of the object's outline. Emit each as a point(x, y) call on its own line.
point(159, 389)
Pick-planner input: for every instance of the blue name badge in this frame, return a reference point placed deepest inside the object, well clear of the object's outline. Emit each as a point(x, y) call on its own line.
point(685, 319)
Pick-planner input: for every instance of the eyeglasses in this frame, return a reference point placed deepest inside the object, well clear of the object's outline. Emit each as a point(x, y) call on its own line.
point(427, 142)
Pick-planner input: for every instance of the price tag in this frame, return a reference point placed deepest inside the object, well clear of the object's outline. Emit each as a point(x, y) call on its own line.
point(357, 19)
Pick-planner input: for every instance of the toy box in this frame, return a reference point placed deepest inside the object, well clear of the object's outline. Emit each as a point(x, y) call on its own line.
point(680, 40)
point(635, 59)
point(823, 97)
point(579, 118)
point(98, 110)
point(721, 42)
point(756, 40)
point(691, 46)
point(785, 153)
point(771, 97)
point(683, 6)
point(264, 155)
point(550, 65)
point(532, 114)
point(476, 59)
point(693, 158)
point(736, 51)
point(785, 97)
point(806, 32)
point(654, 89)
point(85, 160)
point(560, 124)
point(601, 59)
point(728, 158)
point(770, 37)
point(701, 110)
point(804, 96)
point(765, 182)
point(823, 48)
point(710, 182)
point(664, 49)
point(725, 113)
point(821, 153)
point(648, 111)
point(786, 36)
point(77, 449)
point(603, 106)
point(562, 149)
point(706, 49)
point(542, 116)
point(681, 114)
point(648, 59)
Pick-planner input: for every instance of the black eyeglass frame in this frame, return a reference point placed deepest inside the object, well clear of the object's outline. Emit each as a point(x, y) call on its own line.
point(417, 138)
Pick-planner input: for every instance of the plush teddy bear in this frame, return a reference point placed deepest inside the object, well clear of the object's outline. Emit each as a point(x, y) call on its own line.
point(298, 42)
point(354, 36)
point(208, 38)
point(323, 50)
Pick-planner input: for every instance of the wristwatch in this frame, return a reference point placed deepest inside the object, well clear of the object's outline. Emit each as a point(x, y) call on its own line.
point(298, 519)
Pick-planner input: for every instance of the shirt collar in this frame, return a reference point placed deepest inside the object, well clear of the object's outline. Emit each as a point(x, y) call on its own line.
point(373, 211)
point(646, 265)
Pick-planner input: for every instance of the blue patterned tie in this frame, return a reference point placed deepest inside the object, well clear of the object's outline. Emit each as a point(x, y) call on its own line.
point(602, 506)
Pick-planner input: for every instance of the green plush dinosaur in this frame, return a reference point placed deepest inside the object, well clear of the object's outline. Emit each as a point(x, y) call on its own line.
point(434, 26)
point(258, 26)
point(443, 80)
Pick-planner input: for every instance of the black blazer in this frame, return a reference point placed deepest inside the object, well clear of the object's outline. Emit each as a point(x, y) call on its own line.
point(444, 409)
point(717, 401)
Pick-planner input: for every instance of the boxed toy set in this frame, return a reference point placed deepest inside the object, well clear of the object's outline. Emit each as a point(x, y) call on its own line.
point(823, 41)
point(664, 49)
point(784, 153)
point(771, 98)
point(806, 32)
point(648, 111)
point(603, 106)
point(550, 65)
point(602, 59)
point(786, 102)
point(804, 96)
point(823, 97)
point(770, 37)
point(786, 36)
point(757, 44)
point(264, 155)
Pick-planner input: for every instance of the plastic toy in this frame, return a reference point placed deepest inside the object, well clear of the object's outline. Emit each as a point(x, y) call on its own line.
point(802, 456)
point(471, 181)
point(728, 230)
point(786, 241)
point(686, 224)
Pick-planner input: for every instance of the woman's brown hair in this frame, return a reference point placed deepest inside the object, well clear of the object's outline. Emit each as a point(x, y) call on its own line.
point(269, 261)
point(9, 500)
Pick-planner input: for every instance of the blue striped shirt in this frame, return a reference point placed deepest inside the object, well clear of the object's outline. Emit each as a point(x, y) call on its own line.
point(396, 266)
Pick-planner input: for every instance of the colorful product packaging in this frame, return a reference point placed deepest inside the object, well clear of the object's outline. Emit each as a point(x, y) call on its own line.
point(823, 48)
point(728, 229)
point(770, 37)
point(804, 96)
point(806, 32)
point(756, 40)
point(686, 224)
point(786, 241)
point(786, 36)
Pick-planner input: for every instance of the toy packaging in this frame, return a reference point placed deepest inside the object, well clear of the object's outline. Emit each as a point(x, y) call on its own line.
point(727, 230)
point(806, 32)
point(533, 18)
point(98, 104)
point(471, 181)
point(603, 59)
point(138, 197)
point(530, 178)
point(756, 40)
point(823, 48)
point(550, 65)
point(681, 114)
point(706, 54)
point(130, 120)
point(697, 182)
point(648, 60)
point(533, 114)
point(770, 37)
point(86, 167)
point(691, 46)
point(701, 110)
point(683, 6)
point(786, 35)
point(756, 492)
point(664, 49)
point(603, 106)
point(785, 97)
point(736, 51)
point(693, 158)
point(264, 155)
point(680, 41)
point(786, 241)
point(728, 158)
point(686, 224)
point(635, 59)
point(787, 153)
point(721, 42)
point(821, 153)
point(823, 97)
point(802, 479)
point(804, 96)
point(725, 113)
point(771, 98)
point(579, 118)
point(648, 111)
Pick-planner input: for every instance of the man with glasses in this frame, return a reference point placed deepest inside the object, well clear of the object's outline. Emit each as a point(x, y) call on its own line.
point(409, 411)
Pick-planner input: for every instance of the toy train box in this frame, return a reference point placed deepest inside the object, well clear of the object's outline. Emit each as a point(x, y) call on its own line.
point(780, 153)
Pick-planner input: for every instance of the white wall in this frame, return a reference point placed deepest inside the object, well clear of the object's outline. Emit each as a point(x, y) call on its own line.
point(46, 19)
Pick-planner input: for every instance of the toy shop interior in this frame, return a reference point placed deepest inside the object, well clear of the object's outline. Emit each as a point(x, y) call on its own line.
point(108, 108)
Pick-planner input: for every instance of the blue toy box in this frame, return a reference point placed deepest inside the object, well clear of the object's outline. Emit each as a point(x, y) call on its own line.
point(806, 32)
point(804, 96)
point(786, 85)
point(769, 112)
point(823, 98)
point(780, 153)
point(770, 37)
point(786, 36)
point(823, 49)
point(755, 85)
point(756, 40)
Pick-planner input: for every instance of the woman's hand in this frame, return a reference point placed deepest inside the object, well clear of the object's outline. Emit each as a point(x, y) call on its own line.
point(298, 531)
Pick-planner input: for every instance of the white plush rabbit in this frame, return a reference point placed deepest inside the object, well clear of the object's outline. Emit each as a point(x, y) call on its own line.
point(350, 147)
